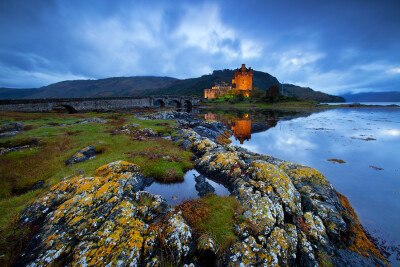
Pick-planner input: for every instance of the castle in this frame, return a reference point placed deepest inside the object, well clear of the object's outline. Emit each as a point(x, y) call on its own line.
point(242, 83)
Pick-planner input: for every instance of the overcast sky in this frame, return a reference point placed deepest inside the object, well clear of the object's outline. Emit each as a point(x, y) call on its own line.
point(331, 46)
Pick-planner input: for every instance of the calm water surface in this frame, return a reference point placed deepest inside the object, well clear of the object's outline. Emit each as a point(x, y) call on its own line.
point(367, 139)
point(179, 192)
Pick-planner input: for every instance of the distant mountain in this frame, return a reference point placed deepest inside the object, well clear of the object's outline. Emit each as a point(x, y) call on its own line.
point(150, 85)
point(373, 97)
point(309, 94)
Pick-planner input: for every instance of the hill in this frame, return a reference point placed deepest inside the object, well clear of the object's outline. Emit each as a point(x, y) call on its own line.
point(196, 86)
point(151, 85)
point(373, 97)
point(309, 94)
point(118, 86)
point(11, 93)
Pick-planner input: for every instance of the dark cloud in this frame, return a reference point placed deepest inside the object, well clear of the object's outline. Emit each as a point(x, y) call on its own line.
point(332, 46)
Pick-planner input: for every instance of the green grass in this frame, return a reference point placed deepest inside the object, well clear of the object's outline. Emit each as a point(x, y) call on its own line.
point(260, 103)
point(20, 170)
point(213, 216)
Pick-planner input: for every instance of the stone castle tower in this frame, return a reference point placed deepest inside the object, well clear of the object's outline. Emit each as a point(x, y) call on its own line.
point(243, 82)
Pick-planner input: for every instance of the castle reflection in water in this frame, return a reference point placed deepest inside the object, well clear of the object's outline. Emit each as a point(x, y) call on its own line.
point(241, 127)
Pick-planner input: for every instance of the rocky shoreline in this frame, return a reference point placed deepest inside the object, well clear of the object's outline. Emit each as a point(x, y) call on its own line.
point(293, 215)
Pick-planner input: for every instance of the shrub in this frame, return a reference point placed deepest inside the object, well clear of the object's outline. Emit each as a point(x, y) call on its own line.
point(272, 93)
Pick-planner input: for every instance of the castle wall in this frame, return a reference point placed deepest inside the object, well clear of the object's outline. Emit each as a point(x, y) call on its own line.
point(242, 83)
point(243, 80)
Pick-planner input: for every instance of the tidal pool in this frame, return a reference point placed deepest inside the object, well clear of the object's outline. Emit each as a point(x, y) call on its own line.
point(366, 139)
point(179, 192)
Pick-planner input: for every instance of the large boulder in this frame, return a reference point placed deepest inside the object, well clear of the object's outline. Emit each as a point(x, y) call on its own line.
point(88, 220)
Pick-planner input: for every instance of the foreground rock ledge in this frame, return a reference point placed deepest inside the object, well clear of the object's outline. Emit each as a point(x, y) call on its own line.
point(294, 216)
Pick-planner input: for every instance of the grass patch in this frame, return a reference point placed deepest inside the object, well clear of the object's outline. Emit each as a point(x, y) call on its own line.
point(162, 160)
point(163, 127)
point(20, 170)
point(212, 216)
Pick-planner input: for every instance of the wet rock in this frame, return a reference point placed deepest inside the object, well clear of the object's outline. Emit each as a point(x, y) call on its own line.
point(82, 155)
point(202, 186)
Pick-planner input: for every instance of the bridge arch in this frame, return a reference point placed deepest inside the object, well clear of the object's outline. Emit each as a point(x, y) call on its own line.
point(159, 103)
point(62, 108)
point(174, 102)
point(187, 103)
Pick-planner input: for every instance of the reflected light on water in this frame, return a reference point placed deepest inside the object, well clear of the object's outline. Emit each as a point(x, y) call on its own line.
point(368, 140)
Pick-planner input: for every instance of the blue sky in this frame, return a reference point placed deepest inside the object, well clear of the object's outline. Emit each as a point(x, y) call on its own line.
point(330, 46)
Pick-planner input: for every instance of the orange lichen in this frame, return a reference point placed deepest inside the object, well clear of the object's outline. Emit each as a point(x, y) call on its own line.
point(359, 241)
point(223, 139)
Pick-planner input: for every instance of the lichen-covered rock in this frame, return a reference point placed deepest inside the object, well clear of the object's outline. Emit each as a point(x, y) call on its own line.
point(226, 164)
point(293, 214)
point(280, 182)
point(259, 210)
point(278, 248)
point(178, 236)
point(247, 252)
point(87, 220)
point(205, 145)
point(82, 155)
point(148, 206)
point(118, 241)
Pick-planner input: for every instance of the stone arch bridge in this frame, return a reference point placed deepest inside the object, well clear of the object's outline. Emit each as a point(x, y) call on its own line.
point(89, 104)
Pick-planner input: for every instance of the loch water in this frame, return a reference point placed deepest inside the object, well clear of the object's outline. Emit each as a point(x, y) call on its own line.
point(366, 139)
point(176, 193)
